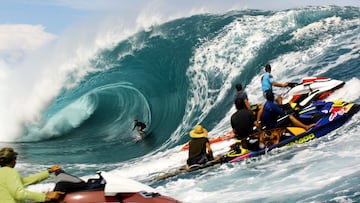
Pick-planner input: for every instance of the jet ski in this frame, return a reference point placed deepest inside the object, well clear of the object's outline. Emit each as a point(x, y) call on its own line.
point(310, 89)
point(327, 117)
point(302, 94)
point(106, 188)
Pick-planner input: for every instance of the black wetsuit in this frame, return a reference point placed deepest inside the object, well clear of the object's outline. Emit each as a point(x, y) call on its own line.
point(242, 121)
point(139, 124)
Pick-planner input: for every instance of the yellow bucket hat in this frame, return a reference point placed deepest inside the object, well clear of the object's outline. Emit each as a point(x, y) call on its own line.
point(198, 132)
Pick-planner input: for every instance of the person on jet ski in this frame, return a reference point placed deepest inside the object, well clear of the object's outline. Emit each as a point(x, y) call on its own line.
point(12, 185)
point(267, 82)
point(242, 121)
point(270, 113)
point(200, 151)
point(140, 127)
point(240, 93)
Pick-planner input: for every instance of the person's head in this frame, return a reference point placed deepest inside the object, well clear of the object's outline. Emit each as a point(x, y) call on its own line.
point(198, 132)
point(135, 121)
point(238, 87)
point(240, 103)
point(7, 157)
point(270, 96)
point(268, 68)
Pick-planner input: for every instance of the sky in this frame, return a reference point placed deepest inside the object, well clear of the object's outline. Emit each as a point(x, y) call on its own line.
point(28, 24)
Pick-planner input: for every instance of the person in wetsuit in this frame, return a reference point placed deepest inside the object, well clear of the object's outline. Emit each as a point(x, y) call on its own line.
point(240, 93)
point(242, 121)
point(140, 127)
point(199, 147)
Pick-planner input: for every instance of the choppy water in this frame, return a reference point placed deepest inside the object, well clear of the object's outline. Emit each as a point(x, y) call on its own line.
point(181, 73)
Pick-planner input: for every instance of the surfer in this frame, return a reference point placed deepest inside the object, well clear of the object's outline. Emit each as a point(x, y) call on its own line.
point(199, 147)
point(140, 127)
point(267, 82)
point(12, 185)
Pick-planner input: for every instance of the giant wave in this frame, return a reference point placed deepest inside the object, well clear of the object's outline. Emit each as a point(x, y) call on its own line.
point(181, 73)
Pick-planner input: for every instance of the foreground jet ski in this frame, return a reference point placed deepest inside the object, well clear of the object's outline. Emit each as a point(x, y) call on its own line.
point(106, 188)
point(311, 89)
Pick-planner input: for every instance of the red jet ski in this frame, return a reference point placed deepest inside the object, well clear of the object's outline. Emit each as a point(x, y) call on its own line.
point(311, 89)
point(106, 188)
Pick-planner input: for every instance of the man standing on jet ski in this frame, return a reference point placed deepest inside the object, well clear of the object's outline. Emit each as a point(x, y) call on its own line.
point(267, 82)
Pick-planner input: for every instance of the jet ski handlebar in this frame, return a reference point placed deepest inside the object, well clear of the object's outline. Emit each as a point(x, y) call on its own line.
point(292, 84)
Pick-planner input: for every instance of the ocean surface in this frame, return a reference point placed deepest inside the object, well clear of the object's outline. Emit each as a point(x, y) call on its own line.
point(181, 73)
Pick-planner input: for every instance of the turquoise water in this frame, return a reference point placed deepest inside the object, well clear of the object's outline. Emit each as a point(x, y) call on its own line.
point(181, 73)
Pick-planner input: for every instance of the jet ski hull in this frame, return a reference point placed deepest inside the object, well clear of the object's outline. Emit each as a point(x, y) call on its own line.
point(99, 196)
point(107, 188)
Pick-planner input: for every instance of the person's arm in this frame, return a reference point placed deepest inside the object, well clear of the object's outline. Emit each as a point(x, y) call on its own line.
point(29, 180)
point(134, 127)
point(276, 84)
point(233, 127)
point(247, 104)
point(246, 101)
point(209, 149)
point(298, 123)
point(17, 190)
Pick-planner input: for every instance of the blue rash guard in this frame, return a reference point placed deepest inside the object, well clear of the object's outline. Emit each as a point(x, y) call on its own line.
point(266, 82)
point(270, 114)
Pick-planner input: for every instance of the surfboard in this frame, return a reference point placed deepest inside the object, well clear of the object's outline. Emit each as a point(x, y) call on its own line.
point(182, 169)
